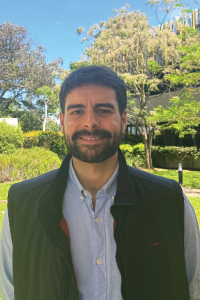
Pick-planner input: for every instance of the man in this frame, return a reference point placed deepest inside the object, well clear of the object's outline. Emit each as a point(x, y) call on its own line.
point(97, 229)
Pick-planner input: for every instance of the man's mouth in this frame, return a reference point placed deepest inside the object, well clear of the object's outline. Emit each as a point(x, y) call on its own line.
point(91, 138)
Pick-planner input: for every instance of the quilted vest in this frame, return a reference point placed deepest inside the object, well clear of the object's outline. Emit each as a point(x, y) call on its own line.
point(148, 212)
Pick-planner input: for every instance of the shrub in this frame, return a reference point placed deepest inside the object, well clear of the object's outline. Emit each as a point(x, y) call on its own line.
point(31, 139)
point(11, 138)
point(54, 141)
point(175, 153)
point(138, 149)
point(27, 163)
point(134, 155)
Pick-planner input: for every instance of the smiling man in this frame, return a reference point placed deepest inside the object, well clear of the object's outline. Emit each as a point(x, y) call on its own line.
point(93, 130)
point(98, 229)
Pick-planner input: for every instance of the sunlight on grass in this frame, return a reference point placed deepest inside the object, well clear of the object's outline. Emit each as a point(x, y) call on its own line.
point(4, 188)
point(190, 178)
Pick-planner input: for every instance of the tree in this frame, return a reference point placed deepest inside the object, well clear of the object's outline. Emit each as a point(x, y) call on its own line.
point(29, 120)
point(53, 126)
point(48, 103)
point(181, 116)
point(141, 55)
point(23, 70)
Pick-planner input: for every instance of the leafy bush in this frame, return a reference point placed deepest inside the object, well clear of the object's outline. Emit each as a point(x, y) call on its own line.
point(139, 150)
point(27, 163)
point(170, 152)
point(134, 155)
point(11, 138)
point(175, 153)
point(54, 141)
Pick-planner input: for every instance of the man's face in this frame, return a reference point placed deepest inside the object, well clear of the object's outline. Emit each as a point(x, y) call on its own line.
point(91, 111)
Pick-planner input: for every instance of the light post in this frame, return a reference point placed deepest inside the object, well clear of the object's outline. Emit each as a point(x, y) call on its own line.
point(180, 173)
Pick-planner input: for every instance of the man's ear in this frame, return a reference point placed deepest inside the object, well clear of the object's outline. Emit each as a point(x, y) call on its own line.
point(124, 120)
point(62, 122)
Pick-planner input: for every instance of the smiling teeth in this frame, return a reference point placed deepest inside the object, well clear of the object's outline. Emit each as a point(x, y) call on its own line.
point(92, 139)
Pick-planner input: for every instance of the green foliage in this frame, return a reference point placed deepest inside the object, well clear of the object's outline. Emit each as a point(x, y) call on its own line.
point(153, 66)
point(52, 126)
point(54, 141)
point(27, 163)
point(170, 152)
point(181, 116)
point(139, 149)
point(49, 96)
point(175, 153)
point(77, 65)
point(11, 138)
point(28, 120)
point(134, 155)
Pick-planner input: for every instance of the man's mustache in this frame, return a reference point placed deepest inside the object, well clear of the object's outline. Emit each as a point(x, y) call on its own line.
point(102, 133)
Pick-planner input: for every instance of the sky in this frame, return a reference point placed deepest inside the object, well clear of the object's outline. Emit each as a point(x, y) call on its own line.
point(53, 24)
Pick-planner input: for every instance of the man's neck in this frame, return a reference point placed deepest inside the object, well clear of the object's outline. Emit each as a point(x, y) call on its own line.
point(94, 176)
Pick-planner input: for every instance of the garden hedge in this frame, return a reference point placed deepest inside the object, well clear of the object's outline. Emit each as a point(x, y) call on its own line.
point(27, 163)
point(54, 141)
point(11, 138)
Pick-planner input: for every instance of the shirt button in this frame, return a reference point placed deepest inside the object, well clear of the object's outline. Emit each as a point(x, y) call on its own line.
point(85, 193)
point(113, 197)
point(81, 197)
point(97, 220)
point(98, 261)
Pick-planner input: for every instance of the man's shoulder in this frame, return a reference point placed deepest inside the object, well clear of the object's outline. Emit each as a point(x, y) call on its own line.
point(38, 183)
point(155, 179)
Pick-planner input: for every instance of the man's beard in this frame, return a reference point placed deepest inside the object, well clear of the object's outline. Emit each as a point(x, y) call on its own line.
point(94, 153)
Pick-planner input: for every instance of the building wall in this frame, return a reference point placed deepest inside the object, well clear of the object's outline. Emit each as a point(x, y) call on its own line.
point(10, 121)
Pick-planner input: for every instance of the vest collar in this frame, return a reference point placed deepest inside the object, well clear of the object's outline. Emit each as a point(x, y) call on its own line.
point(52, 199)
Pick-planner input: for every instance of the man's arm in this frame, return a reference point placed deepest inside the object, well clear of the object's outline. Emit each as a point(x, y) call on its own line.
point(6, 271)
point(192, 249)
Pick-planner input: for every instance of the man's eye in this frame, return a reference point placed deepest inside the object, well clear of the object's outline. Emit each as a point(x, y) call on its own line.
point(77, 112)
point(104, 110)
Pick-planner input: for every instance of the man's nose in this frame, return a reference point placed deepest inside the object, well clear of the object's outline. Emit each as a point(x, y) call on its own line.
point(91, 120)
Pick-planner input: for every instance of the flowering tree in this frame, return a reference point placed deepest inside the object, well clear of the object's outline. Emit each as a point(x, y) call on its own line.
point(142, 56)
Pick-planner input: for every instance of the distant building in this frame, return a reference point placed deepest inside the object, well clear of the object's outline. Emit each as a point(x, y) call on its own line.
point(10, 121)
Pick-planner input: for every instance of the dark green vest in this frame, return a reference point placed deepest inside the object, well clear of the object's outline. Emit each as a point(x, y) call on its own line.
point(149, 233)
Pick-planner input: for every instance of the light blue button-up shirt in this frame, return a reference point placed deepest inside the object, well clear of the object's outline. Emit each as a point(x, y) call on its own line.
point(92, 243)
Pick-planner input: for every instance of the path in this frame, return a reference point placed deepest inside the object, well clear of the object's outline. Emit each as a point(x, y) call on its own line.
point(189, 192)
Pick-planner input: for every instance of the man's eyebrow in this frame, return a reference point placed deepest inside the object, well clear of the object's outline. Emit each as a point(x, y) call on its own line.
point(108, 105)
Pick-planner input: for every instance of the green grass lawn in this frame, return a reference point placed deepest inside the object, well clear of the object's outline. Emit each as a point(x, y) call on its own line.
point(190, 178)
point(4, 188)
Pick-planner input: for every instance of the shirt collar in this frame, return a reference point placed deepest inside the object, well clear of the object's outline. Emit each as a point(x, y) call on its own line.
point(109, 188)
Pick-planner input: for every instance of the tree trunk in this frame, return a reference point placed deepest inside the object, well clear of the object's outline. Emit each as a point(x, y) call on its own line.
point(147, 154)
point(147, 140)
point(150, 138)
point(45, 116)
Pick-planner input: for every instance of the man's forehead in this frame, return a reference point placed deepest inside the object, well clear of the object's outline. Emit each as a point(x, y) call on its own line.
point(94, 94)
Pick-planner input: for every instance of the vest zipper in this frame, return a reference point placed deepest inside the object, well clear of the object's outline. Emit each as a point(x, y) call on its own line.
point(117, 252)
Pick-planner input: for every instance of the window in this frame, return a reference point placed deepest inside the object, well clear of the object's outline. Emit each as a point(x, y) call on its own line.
point(133, 130)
